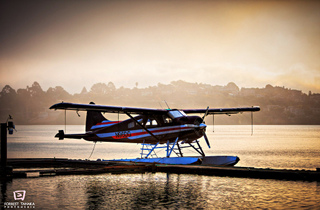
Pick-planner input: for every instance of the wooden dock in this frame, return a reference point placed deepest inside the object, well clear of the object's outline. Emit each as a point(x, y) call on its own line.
point(244, 172)
point(39, 167)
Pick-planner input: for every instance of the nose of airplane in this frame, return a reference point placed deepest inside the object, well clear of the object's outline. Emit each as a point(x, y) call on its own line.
point(202, 126)
point(200, 129)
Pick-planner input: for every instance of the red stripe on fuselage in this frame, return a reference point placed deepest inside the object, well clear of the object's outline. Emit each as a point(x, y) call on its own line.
point(157, 131)
point(154, 132)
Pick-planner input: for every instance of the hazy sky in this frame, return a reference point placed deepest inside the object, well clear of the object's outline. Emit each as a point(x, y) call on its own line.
point(79, 43)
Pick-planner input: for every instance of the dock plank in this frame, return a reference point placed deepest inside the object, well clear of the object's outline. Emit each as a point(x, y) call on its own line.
point(61, 166)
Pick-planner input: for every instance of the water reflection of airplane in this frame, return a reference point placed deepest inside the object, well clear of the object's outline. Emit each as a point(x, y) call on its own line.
point(152, 128)
point(138, 191)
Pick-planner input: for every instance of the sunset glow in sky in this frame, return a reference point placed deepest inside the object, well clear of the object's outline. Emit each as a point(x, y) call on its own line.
point(79, 43)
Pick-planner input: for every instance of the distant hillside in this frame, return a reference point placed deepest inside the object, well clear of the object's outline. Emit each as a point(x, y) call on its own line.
point(279, 105)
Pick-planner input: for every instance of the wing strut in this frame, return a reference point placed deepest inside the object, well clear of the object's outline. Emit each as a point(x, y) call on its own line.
point(142, 126)
point(199, 149)
point(150, 150)
point(169, 151)
point(181, 155)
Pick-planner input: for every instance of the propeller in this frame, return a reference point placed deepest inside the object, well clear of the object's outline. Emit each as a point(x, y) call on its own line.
point(204, 132)
point(198, 122)
point(206, 138)
point(205, 114)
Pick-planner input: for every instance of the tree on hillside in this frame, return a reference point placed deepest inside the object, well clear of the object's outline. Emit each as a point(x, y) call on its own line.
point(232, 87)
point(8, 98)
point(35, 91)
point(111, 87)
point(84, 91)
point(57, 94)
point(99, 89)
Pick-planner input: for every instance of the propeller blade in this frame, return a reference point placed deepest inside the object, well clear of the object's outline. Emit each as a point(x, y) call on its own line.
point(207, 140)
point(205, 114)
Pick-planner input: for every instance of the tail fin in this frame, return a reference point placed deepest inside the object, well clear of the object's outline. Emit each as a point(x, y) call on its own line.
point(93, 117)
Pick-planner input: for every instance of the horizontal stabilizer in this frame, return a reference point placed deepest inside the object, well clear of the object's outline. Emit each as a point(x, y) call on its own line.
point(61, 135)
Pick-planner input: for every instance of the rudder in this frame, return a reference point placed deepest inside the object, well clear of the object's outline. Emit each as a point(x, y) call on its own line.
point(93, 117)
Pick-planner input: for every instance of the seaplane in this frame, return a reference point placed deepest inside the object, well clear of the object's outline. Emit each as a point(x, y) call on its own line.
point(169, 129)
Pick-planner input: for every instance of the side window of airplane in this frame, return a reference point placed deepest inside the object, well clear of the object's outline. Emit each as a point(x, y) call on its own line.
point(151, 122)
point(167, 120)
point(131, 125)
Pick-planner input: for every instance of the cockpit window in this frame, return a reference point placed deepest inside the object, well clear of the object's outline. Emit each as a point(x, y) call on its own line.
point(151, 122)
point(167, 119)
point(176, 114)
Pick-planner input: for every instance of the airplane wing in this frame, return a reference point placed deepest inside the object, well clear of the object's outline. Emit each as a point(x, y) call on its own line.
point(107, 109)
point(136, 110)
point(223, 110)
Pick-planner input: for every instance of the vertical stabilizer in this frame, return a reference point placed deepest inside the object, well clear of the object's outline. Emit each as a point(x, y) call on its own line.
point(93, 117)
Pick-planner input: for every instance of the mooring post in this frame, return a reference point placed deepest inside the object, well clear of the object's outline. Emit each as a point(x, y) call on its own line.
point(3, 146)
point(6, 171)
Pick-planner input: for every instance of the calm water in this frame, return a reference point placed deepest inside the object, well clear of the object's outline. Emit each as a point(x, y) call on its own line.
point(295, 147)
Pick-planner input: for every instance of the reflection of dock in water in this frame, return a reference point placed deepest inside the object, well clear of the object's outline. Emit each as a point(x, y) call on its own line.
point(39, 167)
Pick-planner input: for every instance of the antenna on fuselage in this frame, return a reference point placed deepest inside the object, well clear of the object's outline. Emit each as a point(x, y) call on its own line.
point(166, 104)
